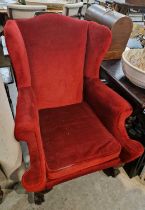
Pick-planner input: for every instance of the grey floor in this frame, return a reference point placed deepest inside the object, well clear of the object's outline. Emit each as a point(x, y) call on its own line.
point(91, 192)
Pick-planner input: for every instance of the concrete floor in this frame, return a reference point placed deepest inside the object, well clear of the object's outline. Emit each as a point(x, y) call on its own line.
point(92, 192)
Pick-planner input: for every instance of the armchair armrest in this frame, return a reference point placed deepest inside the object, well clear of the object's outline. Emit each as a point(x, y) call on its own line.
point(27, 129)
point(113, 111)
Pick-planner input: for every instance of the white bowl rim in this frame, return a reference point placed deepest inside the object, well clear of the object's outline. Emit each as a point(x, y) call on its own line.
point(134, 67)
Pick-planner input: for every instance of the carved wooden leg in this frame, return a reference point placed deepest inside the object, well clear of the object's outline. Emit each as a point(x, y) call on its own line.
point(111, 172)
point(37, 197)
point(1, 195)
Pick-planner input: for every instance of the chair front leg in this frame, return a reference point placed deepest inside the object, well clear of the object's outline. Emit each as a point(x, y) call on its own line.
point(37, 197)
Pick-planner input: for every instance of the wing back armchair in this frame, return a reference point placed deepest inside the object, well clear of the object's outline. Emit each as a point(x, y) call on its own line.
point(72, 122)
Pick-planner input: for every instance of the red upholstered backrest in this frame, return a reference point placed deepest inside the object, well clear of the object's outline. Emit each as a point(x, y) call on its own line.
point(52, 49)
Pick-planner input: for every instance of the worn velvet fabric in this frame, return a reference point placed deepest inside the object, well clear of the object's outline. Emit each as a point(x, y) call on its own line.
point(72, 122)
point(113, 111)
point(75, 135)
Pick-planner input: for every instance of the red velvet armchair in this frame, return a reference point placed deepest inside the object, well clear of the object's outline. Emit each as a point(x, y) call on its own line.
point(72, 122)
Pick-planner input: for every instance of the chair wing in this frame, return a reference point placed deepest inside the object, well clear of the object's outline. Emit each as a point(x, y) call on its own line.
point(68, 135)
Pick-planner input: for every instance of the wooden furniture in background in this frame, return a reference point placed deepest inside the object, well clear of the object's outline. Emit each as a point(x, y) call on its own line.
point(124, 7)
point(136, 2)
point(112, 72)
point(120, 25)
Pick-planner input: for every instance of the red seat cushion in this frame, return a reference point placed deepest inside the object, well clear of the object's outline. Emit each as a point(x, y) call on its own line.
point(74, 136)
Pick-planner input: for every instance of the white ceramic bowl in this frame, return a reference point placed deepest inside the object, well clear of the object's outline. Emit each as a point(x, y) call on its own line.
point(134, 74)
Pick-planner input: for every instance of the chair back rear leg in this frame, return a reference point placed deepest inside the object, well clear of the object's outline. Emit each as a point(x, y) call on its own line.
point(112, 172)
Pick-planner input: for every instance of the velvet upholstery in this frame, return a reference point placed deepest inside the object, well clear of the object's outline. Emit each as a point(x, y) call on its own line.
point(66, 145)
point(27, 129)
point(109, 105)
point(72, 122)
point(62, 48)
